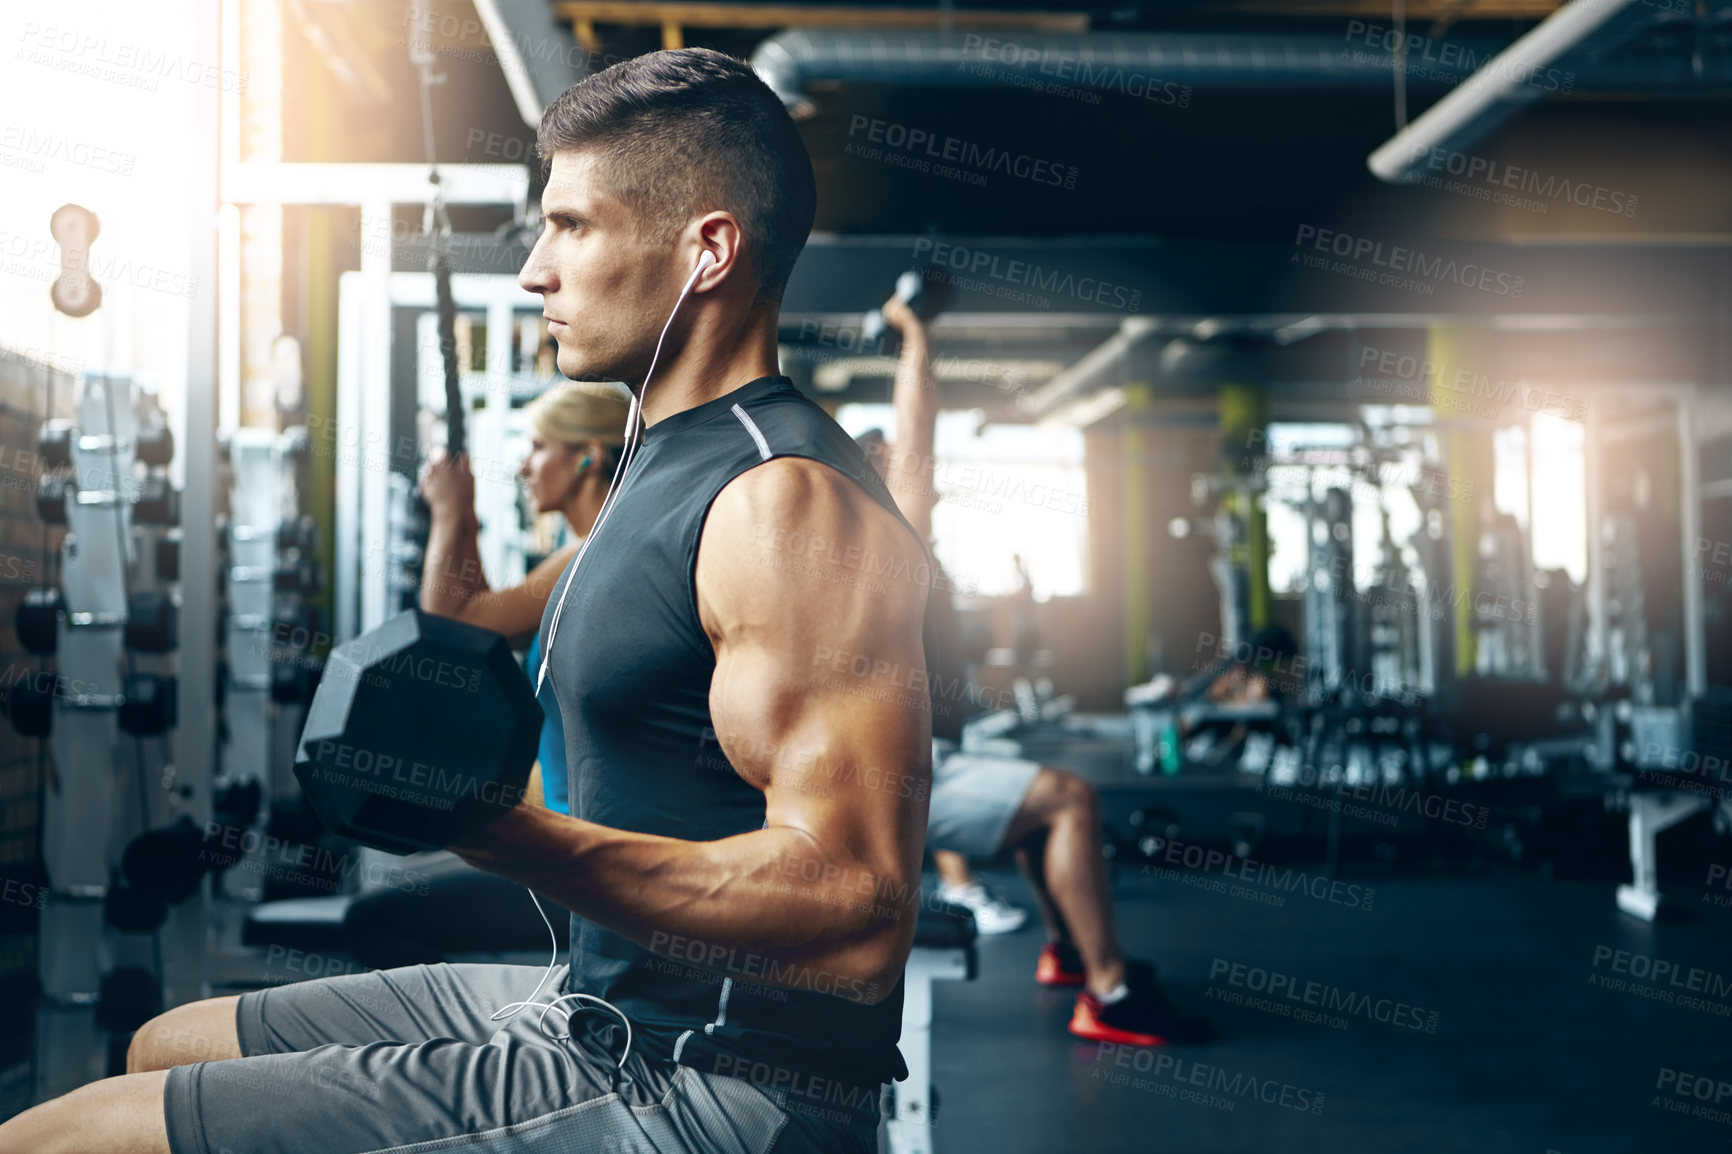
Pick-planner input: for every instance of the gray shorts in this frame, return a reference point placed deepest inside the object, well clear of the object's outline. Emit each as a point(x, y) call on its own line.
point(974, 798)
point(406, 1061)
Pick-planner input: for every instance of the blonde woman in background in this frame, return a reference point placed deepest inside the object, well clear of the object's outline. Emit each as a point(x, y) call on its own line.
point(576, 432)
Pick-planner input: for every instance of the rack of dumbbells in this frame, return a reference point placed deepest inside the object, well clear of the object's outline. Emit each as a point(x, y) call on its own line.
point(274, 638)
point(120, 855)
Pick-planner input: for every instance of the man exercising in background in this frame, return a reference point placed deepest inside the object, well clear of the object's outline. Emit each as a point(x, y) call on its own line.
point(983, 803)
point(742, 861)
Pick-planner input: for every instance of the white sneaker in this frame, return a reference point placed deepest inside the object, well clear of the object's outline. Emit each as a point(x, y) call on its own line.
point(992, 914)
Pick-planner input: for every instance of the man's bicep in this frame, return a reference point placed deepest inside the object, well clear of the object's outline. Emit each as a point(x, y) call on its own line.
point(820, 695)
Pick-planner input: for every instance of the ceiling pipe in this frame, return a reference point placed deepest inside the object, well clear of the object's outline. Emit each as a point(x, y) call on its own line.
point(1161, 67)
point(1155, 66)
point(1517, 75)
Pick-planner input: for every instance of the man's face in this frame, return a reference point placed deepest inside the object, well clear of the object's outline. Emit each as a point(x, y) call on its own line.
point(604, 292)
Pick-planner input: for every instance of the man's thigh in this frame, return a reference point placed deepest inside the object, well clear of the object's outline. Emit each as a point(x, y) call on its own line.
point(521, 1092)
point(411, 1004)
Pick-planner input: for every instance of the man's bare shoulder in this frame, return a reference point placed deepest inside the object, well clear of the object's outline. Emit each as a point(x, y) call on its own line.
point(793, 517)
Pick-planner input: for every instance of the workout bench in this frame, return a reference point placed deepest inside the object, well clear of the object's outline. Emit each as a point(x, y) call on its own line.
point(943, 951)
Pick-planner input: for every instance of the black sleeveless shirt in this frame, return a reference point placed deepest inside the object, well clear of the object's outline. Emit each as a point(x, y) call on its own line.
point(631, 669)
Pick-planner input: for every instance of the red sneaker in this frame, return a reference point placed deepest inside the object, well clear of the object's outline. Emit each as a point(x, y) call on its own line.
point(1059, 965)
point(1143, 1017)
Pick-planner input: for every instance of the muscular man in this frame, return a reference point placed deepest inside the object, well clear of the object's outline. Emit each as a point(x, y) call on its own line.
point(742, 858)
point(982, 804)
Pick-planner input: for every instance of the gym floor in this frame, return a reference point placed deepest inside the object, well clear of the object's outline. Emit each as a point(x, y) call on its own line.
point(1530, 1053)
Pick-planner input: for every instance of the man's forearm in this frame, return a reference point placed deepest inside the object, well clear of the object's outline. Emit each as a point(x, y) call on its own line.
point(768, 906)
point(451, 573)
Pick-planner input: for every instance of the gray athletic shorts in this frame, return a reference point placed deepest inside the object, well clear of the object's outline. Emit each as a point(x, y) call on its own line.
point(406, 1061)
point(974, 798)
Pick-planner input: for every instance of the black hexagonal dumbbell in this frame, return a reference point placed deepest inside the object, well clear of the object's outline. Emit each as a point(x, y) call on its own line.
point(51, 495)
point(420, 731)
point(37, 620)
point(148, 705)
point(54, 444)
point(158, 503)
point(151, 617)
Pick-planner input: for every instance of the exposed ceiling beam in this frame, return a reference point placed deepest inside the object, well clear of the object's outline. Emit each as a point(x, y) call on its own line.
point(1100, 367)
point(1378, 11)
point(699, 15)
point(1483, 101)
point(531, 48)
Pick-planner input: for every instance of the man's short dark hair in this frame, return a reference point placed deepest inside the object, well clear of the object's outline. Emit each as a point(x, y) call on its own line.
point(687, 131)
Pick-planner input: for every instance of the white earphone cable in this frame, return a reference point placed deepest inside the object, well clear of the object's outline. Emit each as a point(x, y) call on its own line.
point(633, 425)
point(633, 437)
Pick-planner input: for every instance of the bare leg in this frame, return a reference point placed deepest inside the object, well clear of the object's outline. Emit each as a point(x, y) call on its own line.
point(196, 1032)
point(114, 1116)
point(1031, 860)
point(952, 868)
point(1064, 807)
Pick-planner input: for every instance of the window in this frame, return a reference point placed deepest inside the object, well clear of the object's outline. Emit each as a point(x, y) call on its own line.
point(1004, 490)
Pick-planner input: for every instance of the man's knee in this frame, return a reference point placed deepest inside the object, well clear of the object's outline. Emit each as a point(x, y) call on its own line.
point(1075, 797)
point(1060, 796)
point(196, 1032)
point(112, 1116)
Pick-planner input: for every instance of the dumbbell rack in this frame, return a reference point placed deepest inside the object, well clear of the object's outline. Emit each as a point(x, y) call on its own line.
point(110, 631)
point(272, 629)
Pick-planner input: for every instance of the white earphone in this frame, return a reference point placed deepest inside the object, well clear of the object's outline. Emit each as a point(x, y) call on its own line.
point(705, 260)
